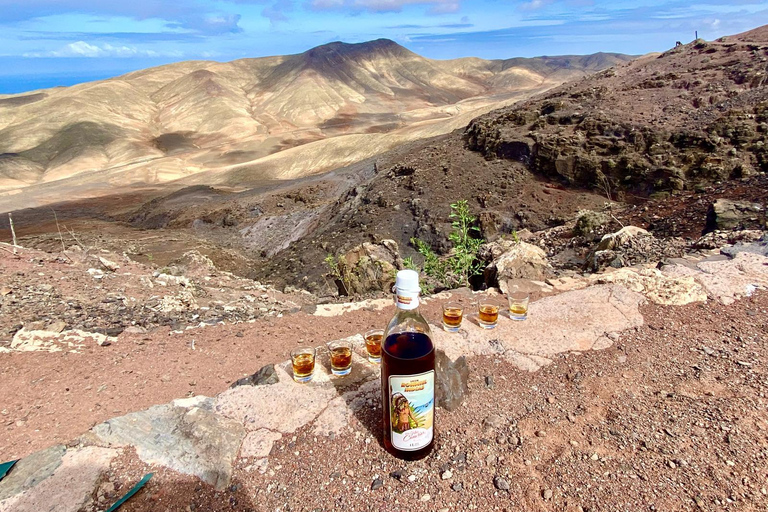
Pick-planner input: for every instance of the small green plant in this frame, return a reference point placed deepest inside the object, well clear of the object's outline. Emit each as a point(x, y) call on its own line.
point(409, 263)
point(338, 272)
point(463, 260)
point(462, 263)
point(433, 265)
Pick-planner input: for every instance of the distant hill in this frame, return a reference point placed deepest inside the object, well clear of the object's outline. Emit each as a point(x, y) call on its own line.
point(164, 123)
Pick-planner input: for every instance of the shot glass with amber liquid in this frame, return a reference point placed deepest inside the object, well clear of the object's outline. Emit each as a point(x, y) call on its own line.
point(518, 305)
point(373, 344)
point(303, 362)
point(452, 316)
point(487, 314)
point(341, 356)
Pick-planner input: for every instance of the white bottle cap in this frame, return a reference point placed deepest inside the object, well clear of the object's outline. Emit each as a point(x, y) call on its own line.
point(407, 289)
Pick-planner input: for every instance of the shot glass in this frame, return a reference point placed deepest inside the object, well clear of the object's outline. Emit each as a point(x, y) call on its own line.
point(452, 315)
point(303, 362)
point(373, 340)
point(341, 356)
point(488, 314)
point(518, 305)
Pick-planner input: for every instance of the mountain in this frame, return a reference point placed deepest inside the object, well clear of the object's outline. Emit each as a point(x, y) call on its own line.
point(165, 123)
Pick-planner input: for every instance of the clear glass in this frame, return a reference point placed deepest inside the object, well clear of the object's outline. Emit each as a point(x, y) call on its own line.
point(341, 356)
point(452, 316)
point(303, 362)
point(373, 339)
point(518, 305)
point(488, 314)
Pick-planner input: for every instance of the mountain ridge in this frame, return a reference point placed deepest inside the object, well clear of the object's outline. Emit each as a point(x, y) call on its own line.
point(204, 115)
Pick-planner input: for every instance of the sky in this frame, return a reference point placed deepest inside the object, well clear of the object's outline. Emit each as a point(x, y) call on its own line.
point(45, 43)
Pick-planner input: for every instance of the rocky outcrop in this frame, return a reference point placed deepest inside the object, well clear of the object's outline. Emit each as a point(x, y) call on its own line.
point(629, 246)
point(367, 267)
point(649, 128)
point(725, 214)
point(513, 260)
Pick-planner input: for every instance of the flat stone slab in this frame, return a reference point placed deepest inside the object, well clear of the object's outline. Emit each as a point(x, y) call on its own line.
point(730, 279)
point(191, 440)
point(31, 470)
point(571, 321)
point(667, 289)
point(70, 486)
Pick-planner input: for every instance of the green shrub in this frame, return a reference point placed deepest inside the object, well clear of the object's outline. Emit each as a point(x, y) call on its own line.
point(462, 262)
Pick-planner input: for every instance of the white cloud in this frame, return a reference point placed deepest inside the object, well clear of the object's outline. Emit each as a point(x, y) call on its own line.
point(534, 5)
point(436, 6)
point(84, 49)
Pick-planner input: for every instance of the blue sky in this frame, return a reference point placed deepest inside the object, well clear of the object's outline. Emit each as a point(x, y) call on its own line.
point(61, 42)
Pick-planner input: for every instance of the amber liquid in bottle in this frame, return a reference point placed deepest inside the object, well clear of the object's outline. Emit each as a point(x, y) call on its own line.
point(404, 353)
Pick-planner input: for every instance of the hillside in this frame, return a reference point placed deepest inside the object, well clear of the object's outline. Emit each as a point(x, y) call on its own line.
point(160, 124)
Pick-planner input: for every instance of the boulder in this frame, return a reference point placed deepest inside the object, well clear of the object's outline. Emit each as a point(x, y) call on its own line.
point(451, 381)
point(513, 260)
point(186, 436)
point(369, 267)
point(727, 214)
point(589, 223)
point(265, 376)
point(620, 238)
point(759, 247)
point(629, 246)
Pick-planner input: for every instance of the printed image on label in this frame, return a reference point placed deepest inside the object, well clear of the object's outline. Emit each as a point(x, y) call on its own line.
point(412, 410)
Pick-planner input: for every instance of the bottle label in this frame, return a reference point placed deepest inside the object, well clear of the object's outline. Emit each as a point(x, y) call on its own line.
point(412, 410)
point(406, 300)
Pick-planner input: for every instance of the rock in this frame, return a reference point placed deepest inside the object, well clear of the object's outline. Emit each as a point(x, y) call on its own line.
point(547, 494)
point(717, 239)
point(68, 488)
point(568, 321)
point(727, 214)
point(631, 246)
point(109, 265)
point(759, 247)
point(191, 440)
point(377, 484)
point(264, 377)
point(297, 404)
point(457, 486)
point(447, 474)
point(451, 381)
point(589, 223)
point(727, 280)
point(31, 470)
point(500, 483)
point(620, 238)
point(258, 443)
point(513, 260)
point(666, 287)
point(489, 381)
point(38, 340)
point(368, 267)
point(494, 421)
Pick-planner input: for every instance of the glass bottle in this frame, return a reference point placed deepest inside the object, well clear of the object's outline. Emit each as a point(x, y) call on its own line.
point(408, 375)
